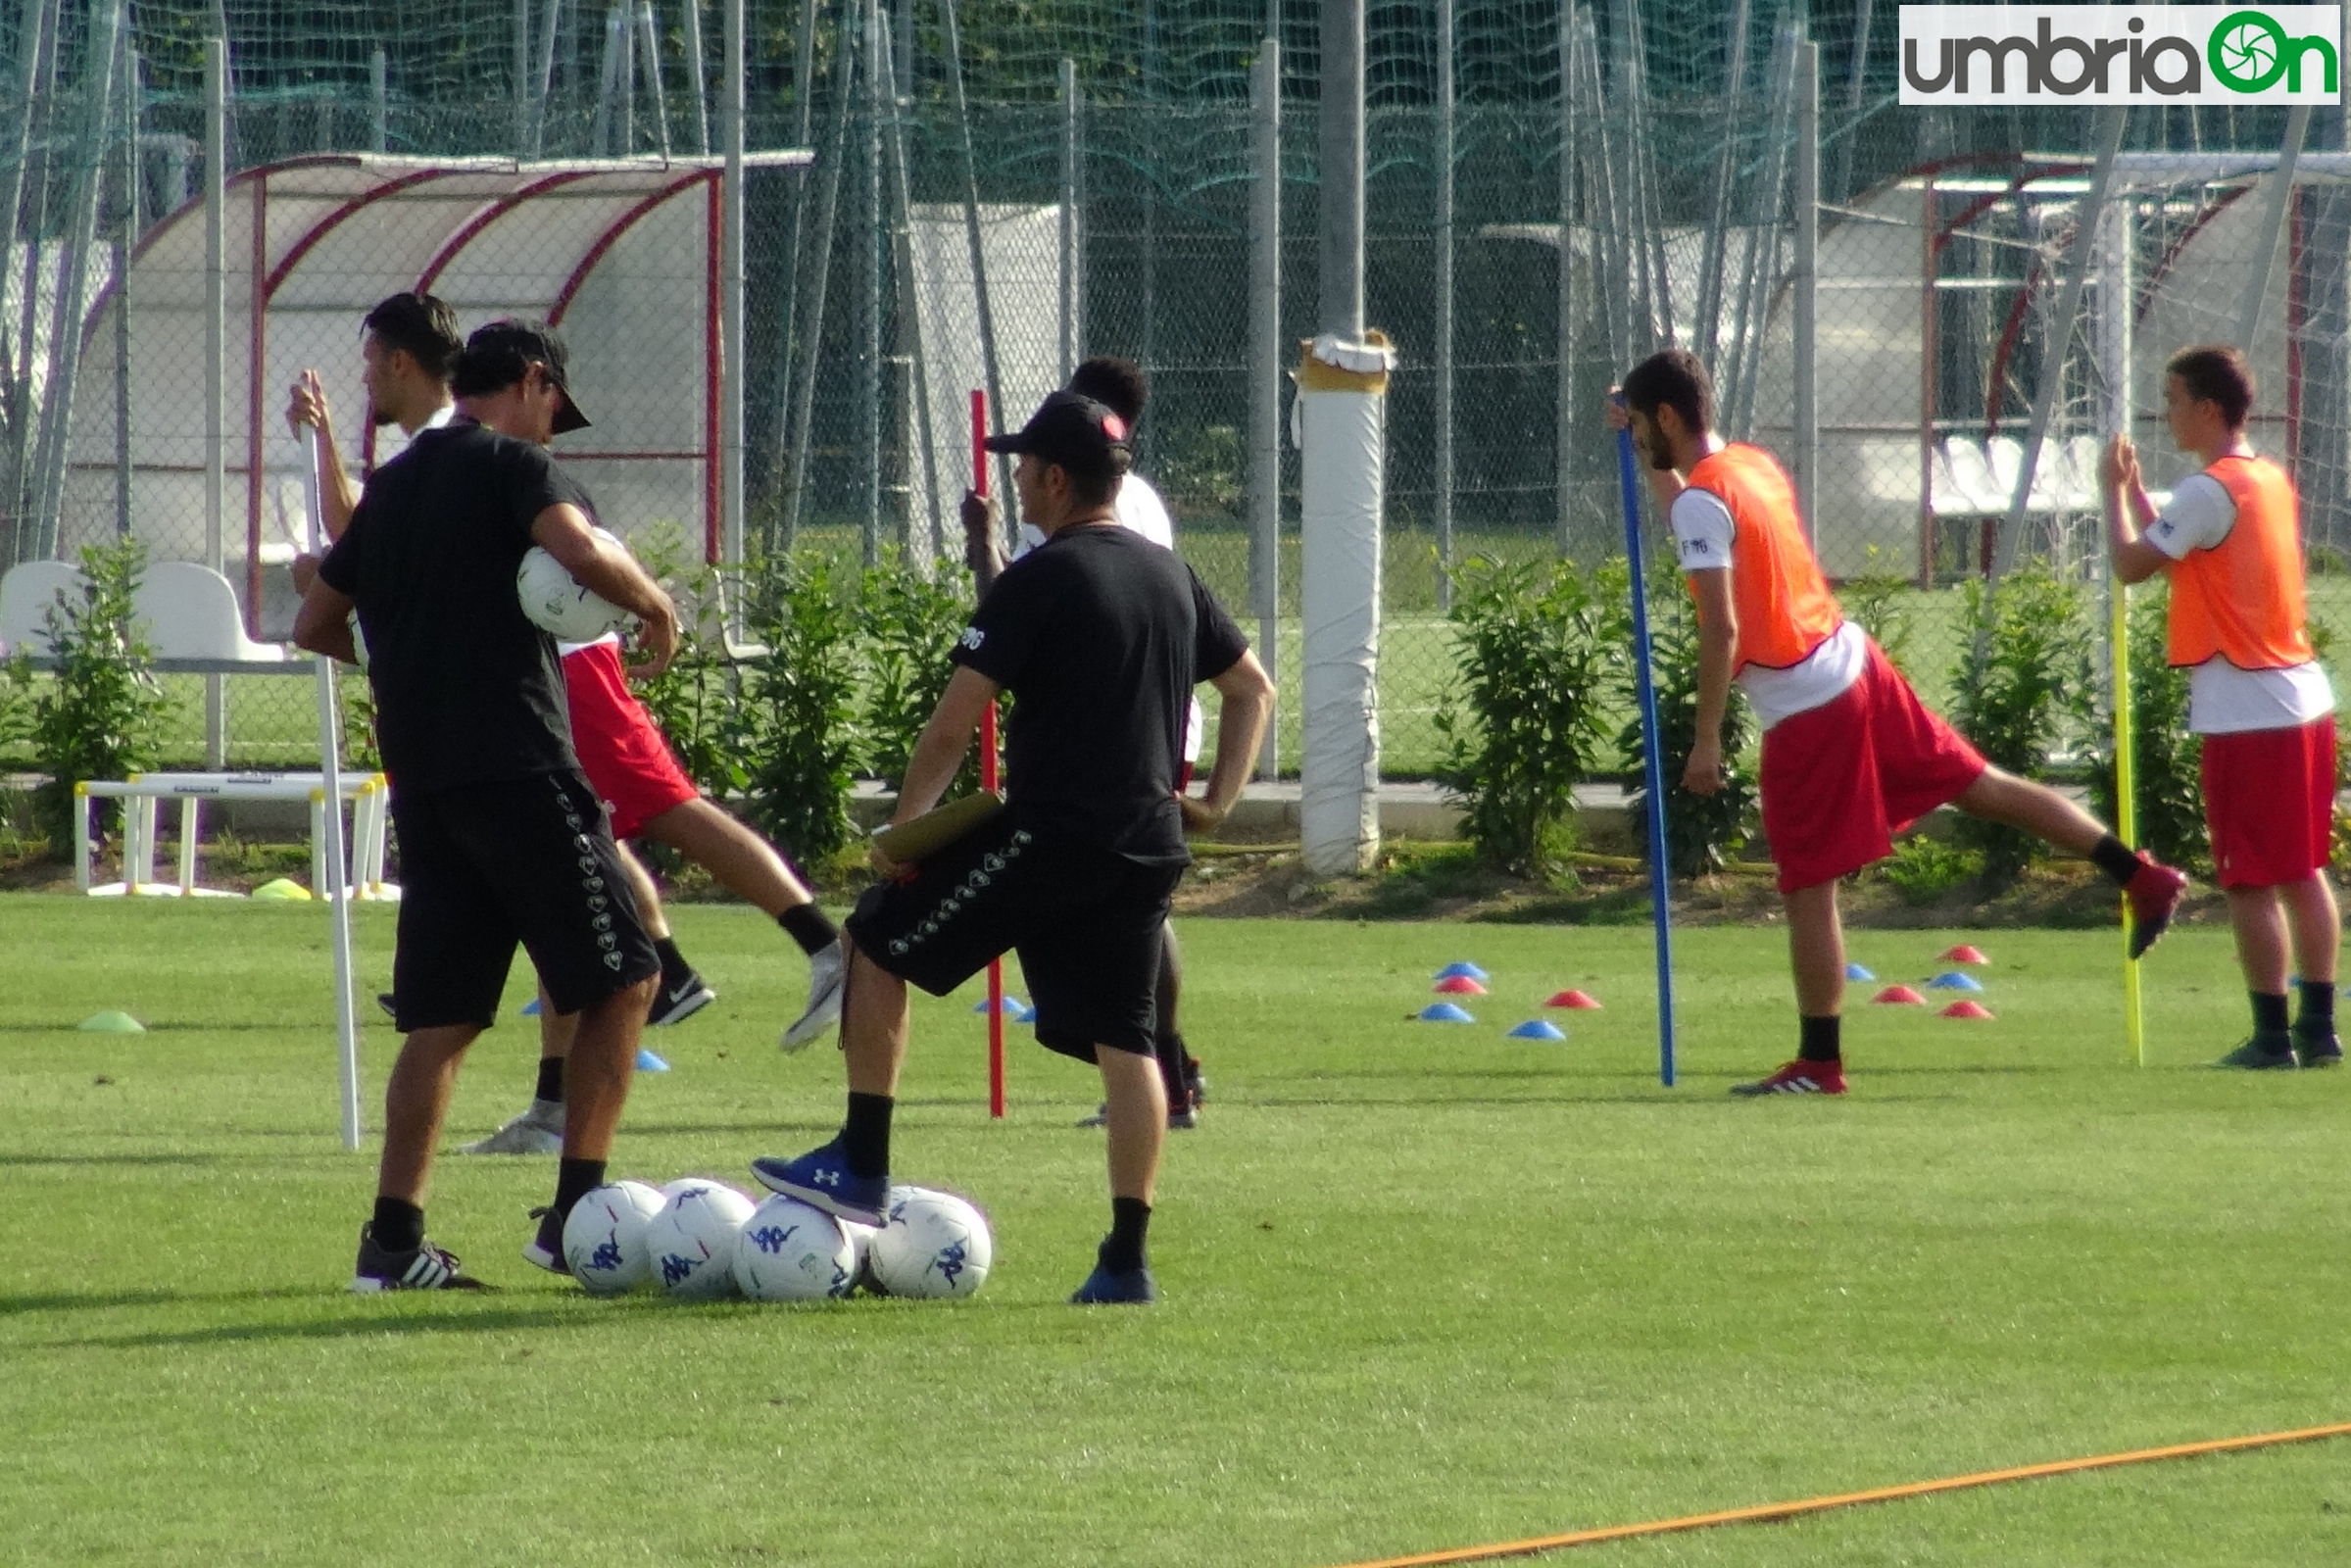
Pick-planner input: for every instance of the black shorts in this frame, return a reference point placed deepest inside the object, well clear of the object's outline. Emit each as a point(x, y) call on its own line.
point(1086, 924)
point(483, 867)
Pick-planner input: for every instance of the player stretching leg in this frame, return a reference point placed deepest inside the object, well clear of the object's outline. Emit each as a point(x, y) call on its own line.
point(2231, 540)
point(501, 838)
point(1118, 385)
point(1850, 755)
point(1101, 636)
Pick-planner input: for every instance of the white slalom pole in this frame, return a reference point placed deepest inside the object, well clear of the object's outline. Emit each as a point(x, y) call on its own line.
point(338, 891)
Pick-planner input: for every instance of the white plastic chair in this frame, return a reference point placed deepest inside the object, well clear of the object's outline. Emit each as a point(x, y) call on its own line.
point(25, 595)
point(2078, 489)
point(1971, 476)
point(191, 615)
point(2006, 454)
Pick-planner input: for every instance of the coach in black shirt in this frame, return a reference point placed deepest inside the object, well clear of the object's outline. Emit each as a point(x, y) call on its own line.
point(501, 839)
point(1101, 636)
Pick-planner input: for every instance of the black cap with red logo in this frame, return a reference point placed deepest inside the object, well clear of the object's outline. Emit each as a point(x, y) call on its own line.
point(1075, 432)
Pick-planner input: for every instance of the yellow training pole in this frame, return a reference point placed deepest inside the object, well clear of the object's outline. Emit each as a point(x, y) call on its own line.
point(2126, 811)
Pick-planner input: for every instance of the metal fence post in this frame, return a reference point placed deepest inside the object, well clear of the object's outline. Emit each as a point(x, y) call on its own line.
point(869, 348)
point(1266, 374)
point(1068, 361)
point(2273, 227)
point(1443, 501)
point(730, 285)
point(379, 103)
point(1804, 284)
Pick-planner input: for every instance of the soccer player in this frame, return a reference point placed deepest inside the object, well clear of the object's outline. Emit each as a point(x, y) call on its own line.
point(619, 747)
point(2232, 541)
point(1101, 636)
point(1850, 755)
point(502, 840)
point(1118, 385)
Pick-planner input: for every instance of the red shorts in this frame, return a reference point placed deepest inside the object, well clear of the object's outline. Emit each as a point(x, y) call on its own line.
point(621, 748)
point(2269, 799)
point(1841, 779)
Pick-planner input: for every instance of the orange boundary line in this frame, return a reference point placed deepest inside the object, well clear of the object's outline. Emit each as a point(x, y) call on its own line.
point(1789, 1510)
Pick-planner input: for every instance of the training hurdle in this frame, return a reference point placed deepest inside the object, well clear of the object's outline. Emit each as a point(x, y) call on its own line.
point(367, 794)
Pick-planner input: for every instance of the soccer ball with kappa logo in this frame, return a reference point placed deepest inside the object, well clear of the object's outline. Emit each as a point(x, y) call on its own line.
point(693, 1239)
point(790, 1252)
point(932, 1245)
point(603, 1239)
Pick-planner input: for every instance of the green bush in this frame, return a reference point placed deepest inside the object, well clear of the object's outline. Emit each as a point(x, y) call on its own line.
point(2022, 684)
point(696, 700)
point(1703, 832)
point(910, 623)
point(2165, 757)
point(1524, 716)
point(101, 715)
point(799, 702)
point(1923, 869)
point(1884, 602)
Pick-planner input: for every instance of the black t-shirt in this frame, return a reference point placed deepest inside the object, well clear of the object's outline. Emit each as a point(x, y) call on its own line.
point(1100, 635)
point(467, 691)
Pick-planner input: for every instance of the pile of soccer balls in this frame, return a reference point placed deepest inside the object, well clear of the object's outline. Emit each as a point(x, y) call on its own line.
point(701, 1241)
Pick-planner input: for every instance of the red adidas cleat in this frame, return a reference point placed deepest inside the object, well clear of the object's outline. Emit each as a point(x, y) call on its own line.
point(1799, 1077)
point(2154, 893)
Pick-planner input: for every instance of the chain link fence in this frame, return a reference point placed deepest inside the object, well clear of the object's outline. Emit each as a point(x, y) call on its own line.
point(1103, 153)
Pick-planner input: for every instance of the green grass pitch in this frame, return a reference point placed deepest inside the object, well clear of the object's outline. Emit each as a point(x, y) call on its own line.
point(1425, 1286)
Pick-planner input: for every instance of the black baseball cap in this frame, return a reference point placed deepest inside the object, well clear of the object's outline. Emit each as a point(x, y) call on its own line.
point(1072, 430)
point(498, 355)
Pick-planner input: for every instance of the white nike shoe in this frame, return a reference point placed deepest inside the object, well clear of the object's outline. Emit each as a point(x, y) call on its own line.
point(828, 983)
point(675, 1004)
point(537, 1131)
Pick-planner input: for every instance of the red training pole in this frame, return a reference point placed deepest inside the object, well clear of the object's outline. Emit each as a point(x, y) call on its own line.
point(996, 966)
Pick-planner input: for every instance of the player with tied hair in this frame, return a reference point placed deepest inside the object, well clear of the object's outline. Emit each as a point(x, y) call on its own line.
point(1101, 636)
point(501, 839)
point(2231, 542)
point(1850, 755)
point(411, 364)
point(1118, 385)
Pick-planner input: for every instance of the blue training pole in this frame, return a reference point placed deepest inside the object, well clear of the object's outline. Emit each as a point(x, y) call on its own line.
point(1655, 760)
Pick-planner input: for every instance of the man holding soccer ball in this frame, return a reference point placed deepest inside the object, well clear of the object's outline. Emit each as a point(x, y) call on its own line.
point(501, 839)
point(1100, 635)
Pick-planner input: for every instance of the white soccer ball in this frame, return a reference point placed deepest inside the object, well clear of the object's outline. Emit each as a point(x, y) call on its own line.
point(604, 1238)
point(789, 1252)
point(558, 605)
point(860, 1244)
point(693, 1239)
point(931, 1246)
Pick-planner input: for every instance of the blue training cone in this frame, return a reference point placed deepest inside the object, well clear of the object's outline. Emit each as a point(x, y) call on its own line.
point(531, 1009)
point(1445, 1013)
point(1954, 980)
point(1537, 1029)
point(1856, 971)
point(647, 1061)
point(1015, 1010)
point(1463, 971)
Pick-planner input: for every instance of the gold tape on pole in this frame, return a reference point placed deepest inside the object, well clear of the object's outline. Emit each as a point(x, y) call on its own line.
point(2126, 792)
point(1773, 1511)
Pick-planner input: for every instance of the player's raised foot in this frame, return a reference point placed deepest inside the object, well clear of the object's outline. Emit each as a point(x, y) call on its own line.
point(1133, 1287)
point(2264, 1053)
point(679, 999)
point(422, 1267)
point(1195, 1080)
point(383, 999)
point(828, 983)
point(537, 1131)
point(1799, 1077)
point(2153, 893)
point(1179, 1118)
point(2319, 1051)
point(545, 1250)
point(821, 1179)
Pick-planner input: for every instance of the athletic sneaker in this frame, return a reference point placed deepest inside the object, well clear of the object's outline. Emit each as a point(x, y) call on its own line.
point(821, 1179)
point(2326, 1053)
point(1181, 1120)
point(1799, 1077)
point(546, 1248)
point(828, 983)
point(2264, 1053)
point(2154, 892)
point(1195, 1081)
point(383, 999)
point(537, 1131)
point(423, 1267)
point(678, 1001)
point(1134, 1288)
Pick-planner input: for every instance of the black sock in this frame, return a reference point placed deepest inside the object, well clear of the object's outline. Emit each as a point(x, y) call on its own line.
point(399, 1225)
point(575, 1179)
point(865, 1136)
point(1130, 1222)
point(674, 968)
point(1820, 1040)
point(551, 1080)
point(2316, 1020)
point(2269, 1013)
point(806, 926)
point(1169, 1047)
point(2113, 856)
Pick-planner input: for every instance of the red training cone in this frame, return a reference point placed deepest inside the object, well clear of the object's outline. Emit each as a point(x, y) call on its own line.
point(1900, 996)
point(1965, 953)
point(1458, 985)
point(1578, 999)
point(1966, 1009)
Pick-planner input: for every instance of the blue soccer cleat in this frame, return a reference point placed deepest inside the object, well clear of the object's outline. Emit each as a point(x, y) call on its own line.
point(1134, 1288)
point(821, 1179)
